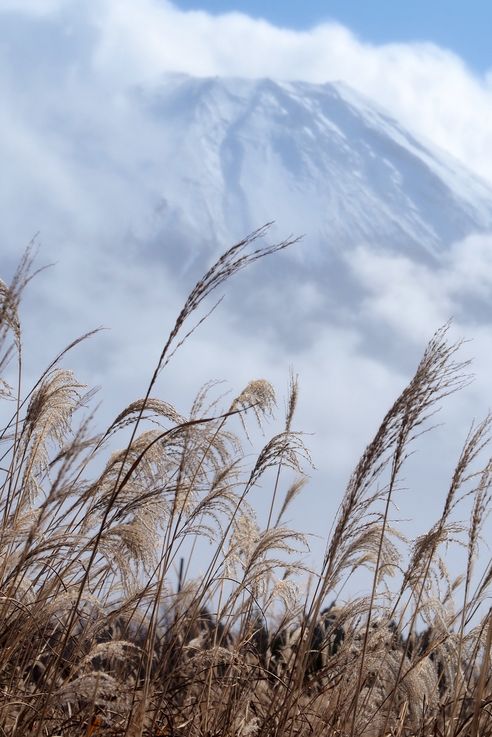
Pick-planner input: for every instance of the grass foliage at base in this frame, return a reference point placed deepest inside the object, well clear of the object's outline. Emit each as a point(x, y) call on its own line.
point(100, 636)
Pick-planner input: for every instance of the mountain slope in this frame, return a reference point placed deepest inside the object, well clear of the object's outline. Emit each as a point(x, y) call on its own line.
point(317, 159)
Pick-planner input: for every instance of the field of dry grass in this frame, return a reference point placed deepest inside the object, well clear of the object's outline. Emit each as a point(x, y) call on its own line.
point(100, 636)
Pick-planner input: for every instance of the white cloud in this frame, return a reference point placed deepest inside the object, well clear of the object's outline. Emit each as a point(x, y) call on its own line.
point(32, 7)
point(409, 296)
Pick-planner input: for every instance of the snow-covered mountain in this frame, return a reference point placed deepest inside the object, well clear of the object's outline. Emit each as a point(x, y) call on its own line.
point(320, 160)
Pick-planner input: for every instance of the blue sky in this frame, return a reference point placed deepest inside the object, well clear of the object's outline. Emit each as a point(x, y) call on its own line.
point(463, 27)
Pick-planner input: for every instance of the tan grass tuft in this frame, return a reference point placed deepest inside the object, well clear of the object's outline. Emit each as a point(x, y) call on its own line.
point(106, 628)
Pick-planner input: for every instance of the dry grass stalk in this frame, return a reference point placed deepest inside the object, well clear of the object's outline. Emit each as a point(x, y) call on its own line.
point(94, 638)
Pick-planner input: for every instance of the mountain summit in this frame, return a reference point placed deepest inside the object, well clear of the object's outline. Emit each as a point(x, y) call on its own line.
point(318, 159)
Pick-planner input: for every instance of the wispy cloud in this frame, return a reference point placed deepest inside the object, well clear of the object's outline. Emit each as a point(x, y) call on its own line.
point(409, 296)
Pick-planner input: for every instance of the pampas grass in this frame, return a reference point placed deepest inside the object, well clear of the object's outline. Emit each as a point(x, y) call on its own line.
point(99, 636)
